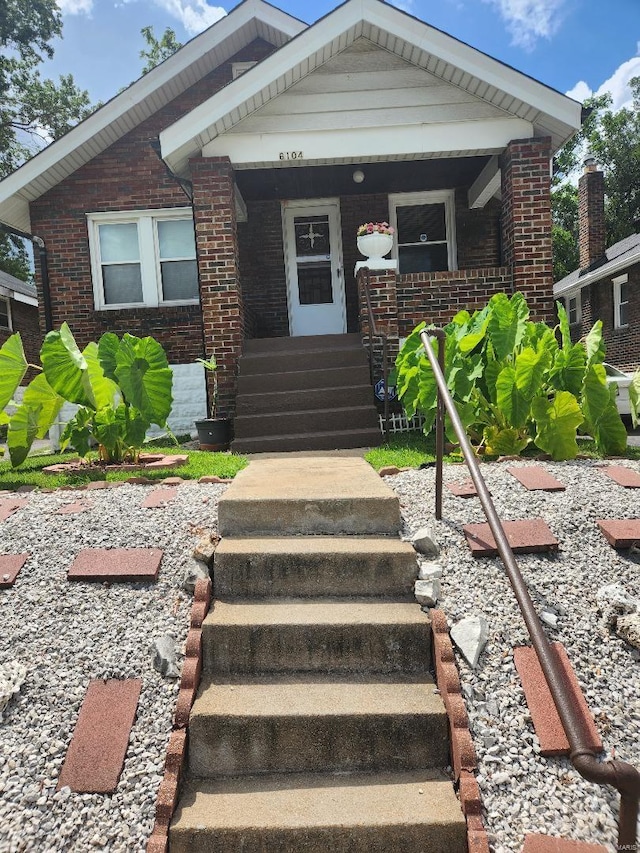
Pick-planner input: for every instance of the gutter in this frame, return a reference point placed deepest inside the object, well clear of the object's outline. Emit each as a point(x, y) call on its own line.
point(596, 275)
point(38, 243)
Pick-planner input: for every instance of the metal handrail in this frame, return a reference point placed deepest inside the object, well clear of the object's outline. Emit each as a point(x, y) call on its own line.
point(364, 276)
point(620, 774)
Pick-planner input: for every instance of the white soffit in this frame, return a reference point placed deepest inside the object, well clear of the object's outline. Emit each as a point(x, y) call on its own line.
point(250, 20)
point(521, 97)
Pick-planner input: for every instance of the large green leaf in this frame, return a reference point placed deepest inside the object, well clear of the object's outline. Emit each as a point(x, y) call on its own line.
point(104, 390)
point(594, 344)
point(504, 442)
point(119, 430)
point(600, 413)
point(557, 421)
point(565, 329)
point(78, 431)
point(145, 377)
point(531, 368)
point(634, 398)
point(13, 366)
point(107, 352)
point(66, 368)
point(507, 323)
point(567, 372)
point(23, 428)
point(513, 404)
point(476, 331)
point(41, 396)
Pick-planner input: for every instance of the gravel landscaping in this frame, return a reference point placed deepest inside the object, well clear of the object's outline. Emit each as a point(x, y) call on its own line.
point(67, 633)
point(522, 791)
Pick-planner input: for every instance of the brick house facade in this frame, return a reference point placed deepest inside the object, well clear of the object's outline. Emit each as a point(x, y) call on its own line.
point(19, 313)
point(331, 118)
point(606, 286)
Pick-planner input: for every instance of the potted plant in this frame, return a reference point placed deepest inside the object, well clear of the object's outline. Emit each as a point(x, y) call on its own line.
point(375, 240)
point(213, 433)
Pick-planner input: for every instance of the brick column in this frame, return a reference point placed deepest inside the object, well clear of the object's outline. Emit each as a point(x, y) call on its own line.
point(384, 305)
point(220, 295)
point(526, 222)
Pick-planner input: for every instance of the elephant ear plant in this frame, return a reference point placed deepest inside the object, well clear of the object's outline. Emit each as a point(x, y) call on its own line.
point(516, 382)
point(121, 386)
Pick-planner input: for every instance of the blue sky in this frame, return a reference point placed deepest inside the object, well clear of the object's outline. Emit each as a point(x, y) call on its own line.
point(576, 46)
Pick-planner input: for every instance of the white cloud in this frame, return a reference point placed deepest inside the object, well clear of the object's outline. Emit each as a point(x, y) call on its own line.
point(194, 15)
point(75, 7)
point(529, 20)
point(617, 85)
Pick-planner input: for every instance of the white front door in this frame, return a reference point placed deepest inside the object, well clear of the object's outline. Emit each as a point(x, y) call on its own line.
point(313, 261)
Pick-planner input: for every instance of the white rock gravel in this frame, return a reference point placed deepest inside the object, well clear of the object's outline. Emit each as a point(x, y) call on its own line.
point(523, 792)
point(67, 633)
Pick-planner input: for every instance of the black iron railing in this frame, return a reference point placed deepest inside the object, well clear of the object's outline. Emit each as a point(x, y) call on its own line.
point(364, 279)
point(621, 775)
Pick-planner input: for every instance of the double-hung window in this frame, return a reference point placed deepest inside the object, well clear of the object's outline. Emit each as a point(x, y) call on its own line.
point(621, 301)
point(574, 308)
point(5, 313)
point(424, 226)
point(143, 258)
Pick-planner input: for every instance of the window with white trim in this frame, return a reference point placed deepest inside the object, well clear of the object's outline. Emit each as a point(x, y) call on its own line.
point(620, 301)
point(574, 313)
point(424, 226)
point(143, 258)
point(5, 313)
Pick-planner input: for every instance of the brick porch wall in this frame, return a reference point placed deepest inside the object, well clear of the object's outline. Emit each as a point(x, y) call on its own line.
point(24, 319)
point(436, 297)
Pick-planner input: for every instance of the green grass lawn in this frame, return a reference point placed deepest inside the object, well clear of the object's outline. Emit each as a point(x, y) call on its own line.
point(412, 449)
point(200, 464)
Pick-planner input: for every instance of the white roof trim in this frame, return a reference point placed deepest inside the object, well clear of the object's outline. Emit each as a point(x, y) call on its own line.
point(250, 19)
point(605, 271)
point(186, 137)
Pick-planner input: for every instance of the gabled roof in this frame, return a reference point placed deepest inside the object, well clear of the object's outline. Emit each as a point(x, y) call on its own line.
point(548, 111)
point(619, 257)
point(250, 20)
point(10, 286)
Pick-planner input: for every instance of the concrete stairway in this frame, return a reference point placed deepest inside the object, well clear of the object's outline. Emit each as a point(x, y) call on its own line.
point(317, 726)
point(304, 393)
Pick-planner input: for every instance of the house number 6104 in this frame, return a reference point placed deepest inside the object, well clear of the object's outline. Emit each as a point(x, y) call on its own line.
point(291, 155)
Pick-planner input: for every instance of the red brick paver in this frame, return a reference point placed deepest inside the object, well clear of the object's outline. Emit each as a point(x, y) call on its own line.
point(546, 721)
point(463, 490)
point(626, 477)
point(159, 497)
point(8, 507)
point(621, 533)
point(96, 753)
point(525, 537)
point(535, 478)
point(548, 844)
point(116, 564)
point(10, 565)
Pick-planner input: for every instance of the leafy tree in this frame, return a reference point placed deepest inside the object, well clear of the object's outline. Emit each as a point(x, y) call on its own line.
point(158, 50)
point(614, 140)
point(33, 110)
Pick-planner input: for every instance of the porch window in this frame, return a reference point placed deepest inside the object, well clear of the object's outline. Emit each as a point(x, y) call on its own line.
point(621, 301)
point(5, 314)
point(143, 258)
point(424, 231)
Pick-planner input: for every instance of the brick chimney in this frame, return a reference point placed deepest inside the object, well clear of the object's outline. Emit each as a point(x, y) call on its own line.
point(591, 227)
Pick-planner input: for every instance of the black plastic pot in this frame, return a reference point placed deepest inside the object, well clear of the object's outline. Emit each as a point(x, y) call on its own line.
point(214, 433)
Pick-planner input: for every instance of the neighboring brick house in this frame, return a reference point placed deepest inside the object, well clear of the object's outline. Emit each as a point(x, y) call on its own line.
point(19, 313)
point(607, 284)
point(273, 133)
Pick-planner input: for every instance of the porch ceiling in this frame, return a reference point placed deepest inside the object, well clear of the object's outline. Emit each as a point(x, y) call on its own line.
point(337, 180)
